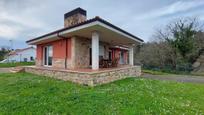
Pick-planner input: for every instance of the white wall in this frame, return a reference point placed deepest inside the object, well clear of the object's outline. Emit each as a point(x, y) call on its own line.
point(20, 56)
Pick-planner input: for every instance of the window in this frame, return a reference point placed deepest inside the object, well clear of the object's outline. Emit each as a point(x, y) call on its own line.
point(101, 50)
point(25, 59)
point(50, 55)
point(31, 58)
point(48, 52)
point(110, 55)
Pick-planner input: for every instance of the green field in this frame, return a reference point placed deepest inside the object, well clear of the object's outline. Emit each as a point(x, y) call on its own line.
point(24, 93)
point(5, 65)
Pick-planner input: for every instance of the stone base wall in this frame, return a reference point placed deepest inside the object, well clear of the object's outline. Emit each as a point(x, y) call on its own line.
point(58, 63)
point(38, 62)
point(113, 75)
point(87, 78)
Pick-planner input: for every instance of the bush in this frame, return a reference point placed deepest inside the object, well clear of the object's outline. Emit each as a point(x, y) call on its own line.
point(180, 68)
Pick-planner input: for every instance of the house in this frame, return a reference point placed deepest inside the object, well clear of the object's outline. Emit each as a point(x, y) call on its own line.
point(81, 45)
point(21, 55)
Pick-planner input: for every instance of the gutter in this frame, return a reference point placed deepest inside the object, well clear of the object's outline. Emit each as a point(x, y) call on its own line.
point(63, 37)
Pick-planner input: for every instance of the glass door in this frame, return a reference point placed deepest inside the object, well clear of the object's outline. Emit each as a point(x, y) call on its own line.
point(121, 57)
point(48, 52)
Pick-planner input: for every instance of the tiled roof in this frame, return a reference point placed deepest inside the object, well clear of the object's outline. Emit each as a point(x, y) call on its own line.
point(15, 52)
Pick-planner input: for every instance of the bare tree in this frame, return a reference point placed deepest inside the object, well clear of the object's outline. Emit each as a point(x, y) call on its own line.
point(178, 43)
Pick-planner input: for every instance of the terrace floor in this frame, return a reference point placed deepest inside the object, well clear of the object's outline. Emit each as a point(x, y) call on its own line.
point(83, 70)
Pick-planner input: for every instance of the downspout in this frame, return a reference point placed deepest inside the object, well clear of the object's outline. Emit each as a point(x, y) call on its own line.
point(63, 37)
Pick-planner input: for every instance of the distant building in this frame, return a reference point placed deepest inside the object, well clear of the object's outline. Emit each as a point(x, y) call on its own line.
point(21, 55)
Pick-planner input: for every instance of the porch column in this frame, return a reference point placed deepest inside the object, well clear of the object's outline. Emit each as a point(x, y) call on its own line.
point(131, 56)
point(95, 50)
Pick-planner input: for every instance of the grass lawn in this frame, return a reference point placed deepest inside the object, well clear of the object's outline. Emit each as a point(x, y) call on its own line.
point(25, 93)
point(5, 65)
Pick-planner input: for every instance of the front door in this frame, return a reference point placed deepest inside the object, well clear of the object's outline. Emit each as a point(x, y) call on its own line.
point(48, 51)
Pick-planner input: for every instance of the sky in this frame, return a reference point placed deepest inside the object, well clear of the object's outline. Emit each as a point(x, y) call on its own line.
point(21, 20)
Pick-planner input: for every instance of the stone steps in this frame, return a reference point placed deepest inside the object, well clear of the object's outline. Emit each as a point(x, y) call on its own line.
point(17, 69)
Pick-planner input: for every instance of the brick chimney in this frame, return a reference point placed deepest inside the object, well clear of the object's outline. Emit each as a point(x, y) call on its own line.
point(75, 16)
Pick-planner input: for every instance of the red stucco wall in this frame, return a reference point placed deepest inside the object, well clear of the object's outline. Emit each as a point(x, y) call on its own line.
point(116, 54)
point(39, 52)
point(59, 49)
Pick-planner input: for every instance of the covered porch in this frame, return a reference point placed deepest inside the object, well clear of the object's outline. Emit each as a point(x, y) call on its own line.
point(108, 47)
point(111, 55)
point(92, 45)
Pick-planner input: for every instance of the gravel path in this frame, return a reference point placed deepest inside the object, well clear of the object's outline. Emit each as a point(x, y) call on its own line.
point(178, 78)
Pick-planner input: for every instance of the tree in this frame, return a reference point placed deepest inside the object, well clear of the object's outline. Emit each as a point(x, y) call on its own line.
point(3, 52)
point(175, 46)
point(181, 35)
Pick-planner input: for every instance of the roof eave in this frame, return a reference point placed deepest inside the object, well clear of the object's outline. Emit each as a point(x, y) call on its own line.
point(93, 22)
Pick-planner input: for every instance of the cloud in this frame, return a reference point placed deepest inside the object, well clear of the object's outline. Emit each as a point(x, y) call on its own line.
point(176, 7)
point(21, 20)
point(145, 23)
point(14, 22)
point(9, 31)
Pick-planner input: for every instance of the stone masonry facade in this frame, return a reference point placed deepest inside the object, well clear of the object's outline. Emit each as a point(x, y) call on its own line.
point(74, 19)
point(87, 78)
point(81, 52)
